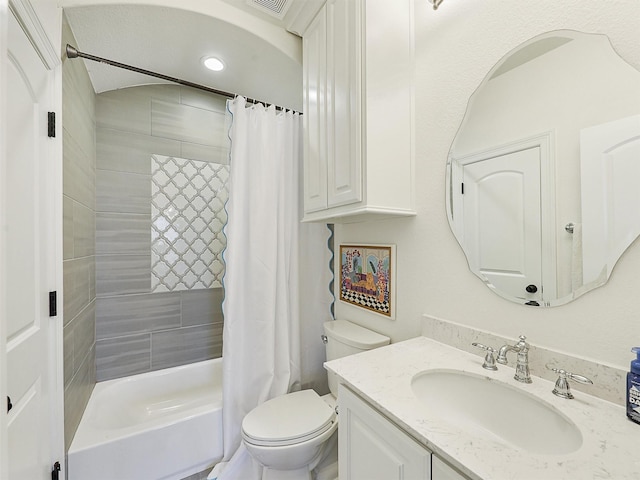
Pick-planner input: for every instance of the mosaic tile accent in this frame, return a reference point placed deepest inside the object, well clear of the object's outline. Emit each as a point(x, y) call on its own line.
point(187, 217)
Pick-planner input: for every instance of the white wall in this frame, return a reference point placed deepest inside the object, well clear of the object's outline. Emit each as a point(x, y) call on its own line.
point(455, 47)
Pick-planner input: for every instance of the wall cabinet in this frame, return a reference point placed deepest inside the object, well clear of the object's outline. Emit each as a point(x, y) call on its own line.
point(358, 111)
point(371, 446)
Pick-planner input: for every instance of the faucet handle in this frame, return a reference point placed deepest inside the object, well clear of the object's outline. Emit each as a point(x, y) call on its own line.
point(562, 388)
point(489, 359)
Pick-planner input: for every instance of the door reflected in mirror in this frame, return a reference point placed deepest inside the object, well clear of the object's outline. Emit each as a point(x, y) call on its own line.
point(542, 175)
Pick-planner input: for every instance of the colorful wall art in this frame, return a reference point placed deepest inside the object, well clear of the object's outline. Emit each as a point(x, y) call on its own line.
point(366, 277)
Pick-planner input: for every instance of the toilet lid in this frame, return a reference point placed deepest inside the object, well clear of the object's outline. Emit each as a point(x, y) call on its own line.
point(288, 419)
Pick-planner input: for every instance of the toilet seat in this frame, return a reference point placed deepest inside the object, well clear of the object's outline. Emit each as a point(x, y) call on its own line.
point(288, 419)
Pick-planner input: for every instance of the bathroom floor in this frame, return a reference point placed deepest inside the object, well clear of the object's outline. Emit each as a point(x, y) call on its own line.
point(199, 476)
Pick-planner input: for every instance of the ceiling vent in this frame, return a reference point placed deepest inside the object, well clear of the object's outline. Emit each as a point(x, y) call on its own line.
point(275, 8)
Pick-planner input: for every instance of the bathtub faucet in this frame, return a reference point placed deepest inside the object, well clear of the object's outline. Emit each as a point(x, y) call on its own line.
point(522, 359)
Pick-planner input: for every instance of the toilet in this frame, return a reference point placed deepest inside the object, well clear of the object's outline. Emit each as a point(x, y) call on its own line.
point(291, 434)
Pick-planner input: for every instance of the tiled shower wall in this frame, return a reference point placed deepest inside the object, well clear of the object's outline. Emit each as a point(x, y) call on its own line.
point(79, 169)
point(137, 329)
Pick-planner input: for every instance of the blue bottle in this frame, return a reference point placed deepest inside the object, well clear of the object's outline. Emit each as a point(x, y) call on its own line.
point(633, 388)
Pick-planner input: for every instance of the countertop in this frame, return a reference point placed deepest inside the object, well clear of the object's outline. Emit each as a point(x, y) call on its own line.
point(610, 447)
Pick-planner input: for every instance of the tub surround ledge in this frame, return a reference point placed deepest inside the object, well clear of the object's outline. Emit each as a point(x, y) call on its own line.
point(383, 377)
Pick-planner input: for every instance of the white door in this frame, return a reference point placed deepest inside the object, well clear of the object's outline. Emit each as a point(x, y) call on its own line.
point(610, 169)
point(30, 248)
point(502, 222)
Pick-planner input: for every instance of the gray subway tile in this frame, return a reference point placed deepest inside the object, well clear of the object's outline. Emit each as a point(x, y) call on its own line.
point(123, 192)
point(92, 278)
point(67, 348)
point(84, 333)
point(130, 314)
point(185, 345)
point(123, 110)
point(123, 233)
point(201, 307)
point(130, 152)
point(128, 109)
point(205, 153)
point(205, 100)
point(76, 283)
point(67, 227)
point(119, 357)
point(76, 396)
point(78, 107)
point(79, 174)
point(84, 231)
point(185, 123)
point(123, 274)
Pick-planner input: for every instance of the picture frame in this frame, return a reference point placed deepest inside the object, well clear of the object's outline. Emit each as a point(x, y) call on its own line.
point(367, 277)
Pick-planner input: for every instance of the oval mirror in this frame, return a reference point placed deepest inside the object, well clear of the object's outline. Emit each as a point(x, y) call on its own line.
point(542, 177)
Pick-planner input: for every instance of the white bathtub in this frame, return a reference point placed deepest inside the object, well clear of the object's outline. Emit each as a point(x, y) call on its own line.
point(162, 425)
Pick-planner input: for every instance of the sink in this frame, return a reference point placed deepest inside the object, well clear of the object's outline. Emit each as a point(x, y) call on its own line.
point(496, 409)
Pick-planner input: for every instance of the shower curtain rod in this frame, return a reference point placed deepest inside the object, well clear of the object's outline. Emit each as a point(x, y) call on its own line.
point(73, 52)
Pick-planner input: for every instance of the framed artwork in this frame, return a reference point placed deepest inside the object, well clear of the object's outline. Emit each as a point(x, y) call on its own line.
point(367, 277)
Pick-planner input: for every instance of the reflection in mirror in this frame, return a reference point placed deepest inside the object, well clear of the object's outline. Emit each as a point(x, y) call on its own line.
point(542, 175)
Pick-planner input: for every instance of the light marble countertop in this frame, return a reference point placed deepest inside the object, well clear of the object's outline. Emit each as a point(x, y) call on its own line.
point(610, 447)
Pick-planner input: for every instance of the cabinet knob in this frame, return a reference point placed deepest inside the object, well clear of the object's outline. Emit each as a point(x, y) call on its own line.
point(531, 288)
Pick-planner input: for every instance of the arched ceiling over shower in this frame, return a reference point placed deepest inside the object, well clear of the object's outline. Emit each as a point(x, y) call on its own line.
point(262, 59)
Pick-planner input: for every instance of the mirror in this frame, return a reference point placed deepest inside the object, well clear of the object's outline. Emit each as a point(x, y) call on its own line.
point(542, 174)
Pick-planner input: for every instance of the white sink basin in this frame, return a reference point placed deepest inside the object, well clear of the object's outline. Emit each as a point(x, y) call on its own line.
point(479, 403)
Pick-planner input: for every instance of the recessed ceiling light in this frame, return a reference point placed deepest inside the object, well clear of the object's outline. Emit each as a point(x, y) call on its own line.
point(213, 63)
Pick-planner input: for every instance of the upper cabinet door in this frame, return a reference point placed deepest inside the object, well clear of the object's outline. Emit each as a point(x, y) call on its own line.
point(315, 107)
point(359, 144)
point(344, 150)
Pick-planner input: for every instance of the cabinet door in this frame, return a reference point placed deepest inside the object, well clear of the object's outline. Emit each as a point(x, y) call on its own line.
point(373, 448)
point(315, 114)
point(344, 94)
point(442, 471)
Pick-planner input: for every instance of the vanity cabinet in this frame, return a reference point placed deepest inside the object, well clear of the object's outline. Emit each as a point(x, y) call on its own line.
point(358, 111)
point(442, 471)
point(371, 447)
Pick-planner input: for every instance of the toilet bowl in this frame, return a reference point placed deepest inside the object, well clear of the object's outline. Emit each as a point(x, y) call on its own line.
point(291, 434)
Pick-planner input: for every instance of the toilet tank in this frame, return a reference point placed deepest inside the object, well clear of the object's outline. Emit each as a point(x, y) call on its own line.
point(346, 338)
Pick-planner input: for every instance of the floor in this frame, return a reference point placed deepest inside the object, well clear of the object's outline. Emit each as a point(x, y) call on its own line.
point(199, 476)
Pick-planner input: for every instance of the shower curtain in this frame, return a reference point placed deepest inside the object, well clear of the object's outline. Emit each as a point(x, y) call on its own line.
point(261, 340)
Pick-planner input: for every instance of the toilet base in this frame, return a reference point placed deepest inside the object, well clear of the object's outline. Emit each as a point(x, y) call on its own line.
point(298, 474)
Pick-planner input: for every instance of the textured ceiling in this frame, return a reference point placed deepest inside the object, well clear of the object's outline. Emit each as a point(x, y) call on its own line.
point(173, 42)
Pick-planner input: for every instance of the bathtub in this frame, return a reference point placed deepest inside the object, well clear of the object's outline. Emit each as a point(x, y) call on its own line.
point(162, 425)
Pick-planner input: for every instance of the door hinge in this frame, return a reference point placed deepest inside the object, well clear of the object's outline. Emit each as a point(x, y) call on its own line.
point(462, 188)
point(55, 473)
point(53, 304)
point(51, 124)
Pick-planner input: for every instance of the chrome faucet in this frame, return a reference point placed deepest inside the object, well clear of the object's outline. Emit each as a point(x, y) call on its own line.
point(522, 359)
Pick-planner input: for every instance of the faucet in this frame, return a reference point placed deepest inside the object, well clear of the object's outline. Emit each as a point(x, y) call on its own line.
point(522, 360)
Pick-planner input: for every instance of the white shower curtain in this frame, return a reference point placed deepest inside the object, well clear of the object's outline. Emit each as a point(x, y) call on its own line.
point(261, 348)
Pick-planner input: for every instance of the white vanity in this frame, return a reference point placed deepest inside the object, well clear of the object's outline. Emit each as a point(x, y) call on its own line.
point(420, 409)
